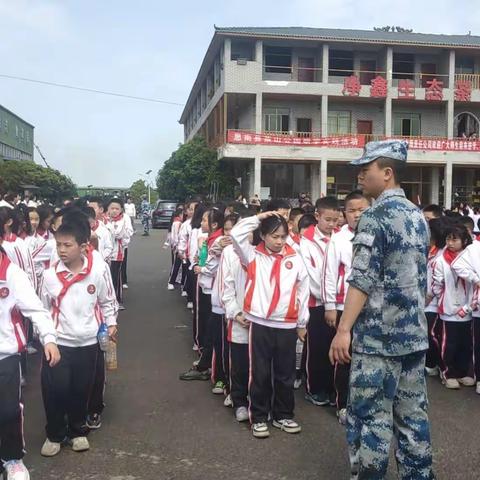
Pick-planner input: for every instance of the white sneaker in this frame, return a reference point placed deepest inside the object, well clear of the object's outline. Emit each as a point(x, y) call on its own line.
point(195, 362)
point(125, 285)
point(80, 444)
point(260, 430)
point(241, 414)
point(16, 470)
point(190, 305)
point(466, 381)
point(287, 425)
point(478, 388)
point(184, 294)
point(195, 347)
point(228, 401)
point(431, 372)
point(342, 416)
point(451, 383)
point(297, 383)
point(170, 287)
point(50, 449)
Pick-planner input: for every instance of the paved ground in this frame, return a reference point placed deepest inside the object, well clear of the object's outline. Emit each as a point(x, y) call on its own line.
point(156, 427)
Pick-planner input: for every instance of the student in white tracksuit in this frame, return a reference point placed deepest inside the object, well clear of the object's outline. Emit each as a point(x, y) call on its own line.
point(276, 305)
point(454, 307)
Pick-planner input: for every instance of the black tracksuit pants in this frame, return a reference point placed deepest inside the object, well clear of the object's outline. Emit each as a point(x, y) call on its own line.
point(272, 350)
point(204, 330)
point(220, 357)
point(239, 374)
point(432, 359)
point(95, 403)
point(457, 349)
point(11, 410)
point(476, 347)
point(116, 271)
point(318, 366)
point(176, 265)
point(66, 390)
point(124, 267)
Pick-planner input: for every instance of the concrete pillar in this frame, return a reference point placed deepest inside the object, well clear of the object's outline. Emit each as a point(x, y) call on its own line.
point(388, 116)
point(324, 115)
point(257, 175)
point(227, 49)
point(323, 177)
point(389, 66)
point(435, 185)
point(450, 101)
point(448, 185)
point(451, 70)
point(450, 117)
point(258, 112)
point(325, 50)
point(259, 52)
point(315, 180)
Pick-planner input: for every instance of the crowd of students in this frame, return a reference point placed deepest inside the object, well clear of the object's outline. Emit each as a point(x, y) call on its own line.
point(62, 275)
point(267, 289)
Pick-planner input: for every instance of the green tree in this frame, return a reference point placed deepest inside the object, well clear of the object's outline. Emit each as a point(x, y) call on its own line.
point(192, 169)
point(51, 184)
point(139, 188)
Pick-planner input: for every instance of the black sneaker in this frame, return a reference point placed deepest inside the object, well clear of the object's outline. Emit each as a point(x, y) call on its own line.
point(94, 421)
point(194, 374)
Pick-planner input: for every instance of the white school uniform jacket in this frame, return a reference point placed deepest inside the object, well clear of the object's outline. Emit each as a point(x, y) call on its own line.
point(293, 240)
point(122, 232)
point(18, 252)
point(173, 237)
point(17, 296)
point(105, 240)
point(184, 236)
point(467, 266)
point(78, 312)
point(206, 278)
point(277, 289)
point(195, 240)
point(313, 246)
point(234, 278)
point(453, 292)
point(433, 255)
point(337, 268)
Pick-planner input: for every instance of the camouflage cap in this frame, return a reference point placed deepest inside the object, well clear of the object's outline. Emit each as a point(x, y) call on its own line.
point(394, 149)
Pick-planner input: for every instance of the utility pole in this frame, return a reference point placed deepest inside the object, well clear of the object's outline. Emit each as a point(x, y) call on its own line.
point(41, 154)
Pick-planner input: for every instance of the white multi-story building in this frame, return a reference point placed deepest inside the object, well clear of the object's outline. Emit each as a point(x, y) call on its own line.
point(288, 108)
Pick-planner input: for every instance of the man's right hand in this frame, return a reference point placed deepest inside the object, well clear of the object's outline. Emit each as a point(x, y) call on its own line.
point(331, 318)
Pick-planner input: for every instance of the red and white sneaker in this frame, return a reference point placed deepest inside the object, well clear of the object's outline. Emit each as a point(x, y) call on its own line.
point(16, 470)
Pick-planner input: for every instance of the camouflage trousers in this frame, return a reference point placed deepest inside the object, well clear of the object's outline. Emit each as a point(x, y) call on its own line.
point(387, 397)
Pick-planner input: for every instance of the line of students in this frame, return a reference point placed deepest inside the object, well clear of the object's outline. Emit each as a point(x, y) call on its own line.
point(60, 285)
point(452, 300)
point(263, 285)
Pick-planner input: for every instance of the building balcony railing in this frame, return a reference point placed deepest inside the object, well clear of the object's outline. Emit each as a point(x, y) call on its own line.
point(420, 80)
point(472, 78)
point(315, 139)
point(292, 73)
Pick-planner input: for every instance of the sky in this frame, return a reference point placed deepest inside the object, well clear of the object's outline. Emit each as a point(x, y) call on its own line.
point(151, 48)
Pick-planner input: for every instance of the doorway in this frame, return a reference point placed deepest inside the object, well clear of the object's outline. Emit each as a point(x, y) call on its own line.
point(364, 127)
point(368, 70)
point(466, 125)
point(306, 72)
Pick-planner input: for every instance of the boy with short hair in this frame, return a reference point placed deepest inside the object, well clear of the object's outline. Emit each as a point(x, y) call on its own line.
point(338, 265)
point(313, 244)
point(80, 296)
point(293, 238)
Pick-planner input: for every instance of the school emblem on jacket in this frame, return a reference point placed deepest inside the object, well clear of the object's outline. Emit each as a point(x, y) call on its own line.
point(4, 292)
point(91, 289)
point(288, 265)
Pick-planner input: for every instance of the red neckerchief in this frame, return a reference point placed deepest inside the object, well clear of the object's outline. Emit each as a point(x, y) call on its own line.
point(351, 229)
point(9, 237)
point(275, 272)
point(432, 252)
point(310, 234)
point(4, 263)
point(68, 282)
point(295, 237)
point(117, 218)
point(213, 236)
point(449, 256)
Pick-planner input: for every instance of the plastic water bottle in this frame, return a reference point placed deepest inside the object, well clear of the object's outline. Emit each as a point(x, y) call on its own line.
point(203, 255)
point(103, 337)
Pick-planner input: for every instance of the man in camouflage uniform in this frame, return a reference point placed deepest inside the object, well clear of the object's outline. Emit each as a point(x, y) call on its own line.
point(385, 305)
point(145, 212)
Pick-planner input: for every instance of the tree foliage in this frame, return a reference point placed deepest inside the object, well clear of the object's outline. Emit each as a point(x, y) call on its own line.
point(52, 184)
point(192, 169)
point(139, 188)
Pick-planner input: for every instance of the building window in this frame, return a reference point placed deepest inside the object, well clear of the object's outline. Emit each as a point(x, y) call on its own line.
point(407, 125)
point(464, 65)
point(5, 126)
point(242, 50)
point(16, 131)
point(22, 133)
point(339, 123)
point(403, 65)
point(340, 63)
point(277, 119)
point(278, 60)
point(28, 137)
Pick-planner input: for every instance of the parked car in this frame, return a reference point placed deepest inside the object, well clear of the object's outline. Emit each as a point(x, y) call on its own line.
point(162, 213)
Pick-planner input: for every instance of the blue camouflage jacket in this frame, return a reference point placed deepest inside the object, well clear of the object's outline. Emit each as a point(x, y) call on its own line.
point(389, 264)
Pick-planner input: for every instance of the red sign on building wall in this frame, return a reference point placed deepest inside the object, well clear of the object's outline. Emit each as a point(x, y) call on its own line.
point(351, 86)
point(463, 90)
point(378, 87)
point(434, 90)
point(406, 89)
